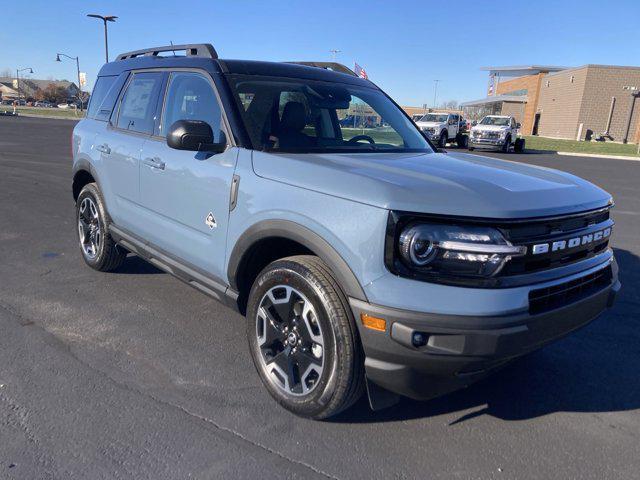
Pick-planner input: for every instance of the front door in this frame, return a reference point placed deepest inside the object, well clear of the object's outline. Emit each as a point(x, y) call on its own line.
point(453, 125)
point(186, 194)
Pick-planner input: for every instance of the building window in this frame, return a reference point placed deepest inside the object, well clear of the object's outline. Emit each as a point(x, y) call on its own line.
point(520, 92)
point(548, 83)
point(572, 79)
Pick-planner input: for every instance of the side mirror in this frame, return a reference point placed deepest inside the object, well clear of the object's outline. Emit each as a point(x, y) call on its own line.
point(193, 135)
point(517, 125)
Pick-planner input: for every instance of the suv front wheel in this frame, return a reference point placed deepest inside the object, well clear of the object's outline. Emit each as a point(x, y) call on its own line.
point(98, 248)
point(303, 338)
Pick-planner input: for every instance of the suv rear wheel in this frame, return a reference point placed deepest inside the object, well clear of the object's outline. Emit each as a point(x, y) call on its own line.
point(98, 248)
point(303, 339)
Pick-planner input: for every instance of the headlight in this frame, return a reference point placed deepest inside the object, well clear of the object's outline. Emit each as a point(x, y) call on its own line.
point(440, 252)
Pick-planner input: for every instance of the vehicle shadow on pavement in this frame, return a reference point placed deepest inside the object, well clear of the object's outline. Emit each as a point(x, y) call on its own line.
point(592, 370)
point(134, 265)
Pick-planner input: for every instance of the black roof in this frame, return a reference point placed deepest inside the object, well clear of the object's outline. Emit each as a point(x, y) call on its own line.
point(204, 56)
point(285, 69)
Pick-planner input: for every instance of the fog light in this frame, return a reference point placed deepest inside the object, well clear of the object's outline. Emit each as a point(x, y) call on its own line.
point(374, 323)
point(419, 339)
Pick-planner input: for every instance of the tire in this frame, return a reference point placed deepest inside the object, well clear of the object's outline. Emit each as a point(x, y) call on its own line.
point(507, 144)
point(462, 141)
point(519, 145)
point(296, 305)
point(444, 139)
point(98, 249)
point(471, 149)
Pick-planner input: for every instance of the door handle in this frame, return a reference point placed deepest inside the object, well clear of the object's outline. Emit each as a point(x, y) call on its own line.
point(104, 148)
point(154, 162)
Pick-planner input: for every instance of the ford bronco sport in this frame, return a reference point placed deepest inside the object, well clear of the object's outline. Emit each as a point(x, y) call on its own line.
point(362, 258)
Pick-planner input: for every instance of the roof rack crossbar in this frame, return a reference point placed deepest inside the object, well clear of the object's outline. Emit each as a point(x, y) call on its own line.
point(336, 67)
point(204, 50)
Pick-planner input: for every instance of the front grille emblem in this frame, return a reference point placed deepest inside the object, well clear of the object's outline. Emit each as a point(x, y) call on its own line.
point(568, 243)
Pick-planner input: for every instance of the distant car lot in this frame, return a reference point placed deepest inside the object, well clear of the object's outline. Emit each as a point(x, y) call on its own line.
point(133, 374)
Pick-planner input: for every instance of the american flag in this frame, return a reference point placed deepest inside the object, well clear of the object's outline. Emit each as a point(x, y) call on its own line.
point(360, 71)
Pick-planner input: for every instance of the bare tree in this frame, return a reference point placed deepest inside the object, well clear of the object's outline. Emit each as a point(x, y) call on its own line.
point(6, 72)
point(452, 105)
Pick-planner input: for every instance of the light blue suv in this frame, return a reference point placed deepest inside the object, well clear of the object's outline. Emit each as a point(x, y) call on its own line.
point(306, 199)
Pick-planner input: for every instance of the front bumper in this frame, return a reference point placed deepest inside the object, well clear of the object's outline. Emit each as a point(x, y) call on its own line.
point(462, 349)
point(432, 136)
point(486, 142)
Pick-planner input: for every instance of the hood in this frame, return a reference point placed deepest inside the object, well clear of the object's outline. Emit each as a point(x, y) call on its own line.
point(490, 128)
point(447, 184)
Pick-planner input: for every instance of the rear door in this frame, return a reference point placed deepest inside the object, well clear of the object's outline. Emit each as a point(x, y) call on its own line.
point(121, 143)
point(185, 195)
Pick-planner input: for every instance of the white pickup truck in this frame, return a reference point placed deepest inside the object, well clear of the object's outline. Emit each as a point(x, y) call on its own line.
point(442, 128)
point(497, 132)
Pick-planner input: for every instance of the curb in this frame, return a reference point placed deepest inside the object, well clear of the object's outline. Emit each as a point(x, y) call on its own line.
point(597, 155)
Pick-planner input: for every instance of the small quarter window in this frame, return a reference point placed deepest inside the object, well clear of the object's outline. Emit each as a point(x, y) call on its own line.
point(102, 103)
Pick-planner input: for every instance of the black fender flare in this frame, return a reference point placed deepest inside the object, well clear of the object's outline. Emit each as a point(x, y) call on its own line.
point(86, 166)
point(304, 236)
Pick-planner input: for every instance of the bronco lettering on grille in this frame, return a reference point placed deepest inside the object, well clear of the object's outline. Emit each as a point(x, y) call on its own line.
point(570, 242)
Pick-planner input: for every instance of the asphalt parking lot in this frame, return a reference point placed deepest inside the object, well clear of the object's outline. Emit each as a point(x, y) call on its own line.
point(135, 375)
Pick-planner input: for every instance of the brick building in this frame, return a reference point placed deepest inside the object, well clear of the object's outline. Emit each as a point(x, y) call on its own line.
point(581, 103)
point(591, 101)
point(512, 91)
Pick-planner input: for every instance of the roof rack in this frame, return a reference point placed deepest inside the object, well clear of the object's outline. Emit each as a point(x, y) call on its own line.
point(336, 67)
point(204, 50)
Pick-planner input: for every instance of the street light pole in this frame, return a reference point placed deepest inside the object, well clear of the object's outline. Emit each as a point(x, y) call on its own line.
point(334, 54)
point(105, 19)
point(77, 59)
point(435, 93)
point(18, 79)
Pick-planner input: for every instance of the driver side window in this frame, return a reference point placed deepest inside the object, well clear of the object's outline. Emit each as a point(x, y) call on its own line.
point(191, 97)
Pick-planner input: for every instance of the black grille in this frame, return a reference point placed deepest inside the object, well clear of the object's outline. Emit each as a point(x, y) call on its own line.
point(547, 231)
point(545, 299)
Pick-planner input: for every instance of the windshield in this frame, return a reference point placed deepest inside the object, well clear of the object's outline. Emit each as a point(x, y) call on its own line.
point(500, 121)
point(306, 116)
point(433, 117)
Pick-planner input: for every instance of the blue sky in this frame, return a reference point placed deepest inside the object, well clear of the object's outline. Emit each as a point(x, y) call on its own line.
point(403, 45)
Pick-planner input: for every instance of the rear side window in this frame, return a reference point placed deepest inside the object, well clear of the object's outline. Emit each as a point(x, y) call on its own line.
point(100, 90)
point(138, 104)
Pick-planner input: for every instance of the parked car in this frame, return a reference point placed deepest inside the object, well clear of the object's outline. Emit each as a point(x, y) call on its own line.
point(362, 261)
point(44, 104)
point(497, 132)
point(442, 128)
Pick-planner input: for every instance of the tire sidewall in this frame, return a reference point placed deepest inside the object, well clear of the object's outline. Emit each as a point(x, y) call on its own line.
point(296, 276)
point(507, 144)
point(92, 192)
point(444, 137)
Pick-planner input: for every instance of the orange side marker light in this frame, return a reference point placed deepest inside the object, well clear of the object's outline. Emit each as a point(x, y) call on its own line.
point(374, 323)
